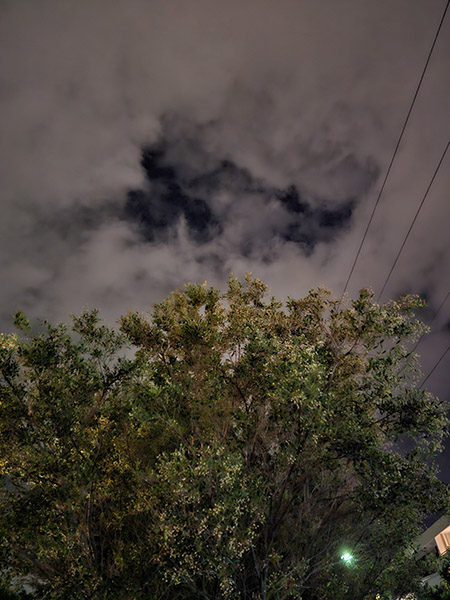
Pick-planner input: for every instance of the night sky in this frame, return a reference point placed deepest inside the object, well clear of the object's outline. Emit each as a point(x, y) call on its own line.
point(147, 143)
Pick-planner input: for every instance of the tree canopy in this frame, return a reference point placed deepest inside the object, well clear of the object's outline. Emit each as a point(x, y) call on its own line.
point(225, 446)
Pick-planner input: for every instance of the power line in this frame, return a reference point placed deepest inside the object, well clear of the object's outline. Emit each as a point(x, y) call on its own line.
point(413, 222)
point(432, 370)
point(431, 322)
point(380, 193)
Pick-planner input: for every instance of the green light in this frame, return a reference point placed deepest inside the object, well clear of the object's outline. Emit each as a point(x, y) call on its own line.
point(347, 558)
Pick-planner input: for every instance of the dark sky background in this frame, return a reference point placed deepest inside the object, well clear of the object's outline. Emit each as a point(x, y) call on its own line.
point(146, 143)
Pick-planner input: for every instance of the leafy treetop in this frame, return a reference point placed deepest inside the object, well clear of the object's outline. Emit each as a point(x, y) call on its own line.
point(239, 451)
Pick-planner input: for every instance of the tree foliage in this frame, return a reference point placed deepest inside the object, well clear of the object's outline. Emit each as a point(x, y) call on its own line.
point(441, 591)
point(237, 449)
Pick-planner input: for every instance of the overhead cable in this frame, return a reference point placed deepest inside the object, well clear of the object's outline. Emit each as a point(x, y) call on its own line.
point(433, 369)
point(380, 193)
point(431, 322)
point(413, 221)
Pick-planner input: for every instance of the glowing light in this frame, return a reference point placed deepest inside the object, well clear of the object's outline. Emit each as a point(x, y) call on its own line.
point(347, 558)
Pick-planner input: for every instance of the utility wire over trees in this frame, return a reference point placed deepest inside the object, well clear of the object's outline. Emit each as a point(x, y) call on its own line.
point(435, 314)
point(243, 451)
point(405, 239)
point(386, 177)
point(437, 363)
point(443, 355)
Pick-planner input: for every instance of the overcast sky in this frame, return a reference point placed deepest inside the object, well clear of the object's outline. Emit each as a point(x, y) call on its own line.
point(146, 143)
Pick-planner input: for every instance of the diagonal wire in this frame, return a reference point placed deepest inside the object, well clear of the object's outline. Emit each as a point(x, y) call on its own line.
point(380, 193)
point(413, 221)
point(431, 322)
point(432, 370)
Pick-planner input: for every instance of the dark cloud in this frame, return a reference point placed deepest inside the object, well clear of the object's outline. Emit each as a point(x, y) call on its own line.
point(160, 205)
point(314, 225)
point(184, 180)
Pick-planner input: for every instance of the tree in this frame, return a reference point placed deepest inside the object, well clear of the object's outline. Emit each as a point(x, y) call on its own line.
point(244, 450)
point(442, 591)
